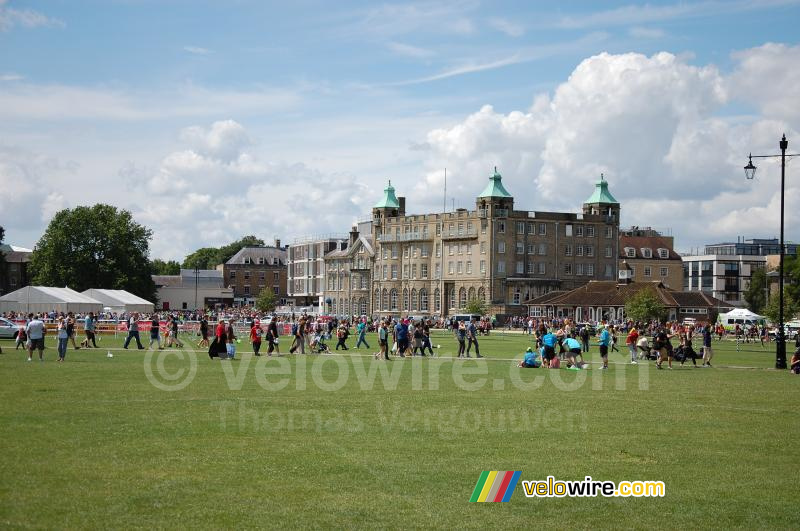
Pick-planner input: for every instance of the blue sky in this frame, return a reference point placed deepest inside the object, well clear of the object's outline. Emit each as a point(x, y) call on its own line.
point(210, 120)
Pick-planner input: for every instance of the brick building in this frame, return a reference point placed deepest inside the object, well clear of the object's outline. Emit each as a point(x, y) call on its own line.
point(255, 268)
point(14, 274)
point(650, 256)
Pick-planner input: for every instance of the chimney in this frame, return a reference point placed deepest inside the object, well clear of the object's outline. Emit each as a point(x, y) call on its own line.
point(278, 243)
point(353, 235)
point(402, 201)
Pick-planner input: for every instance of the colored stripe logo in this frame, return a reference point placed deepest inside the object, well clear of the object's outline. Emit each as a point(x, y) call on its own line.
point(495, 486)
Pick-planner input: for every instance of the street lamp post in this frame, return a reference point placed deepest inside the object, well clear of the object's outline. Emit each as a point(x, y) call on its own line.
point(196, 273)
point(750, 172)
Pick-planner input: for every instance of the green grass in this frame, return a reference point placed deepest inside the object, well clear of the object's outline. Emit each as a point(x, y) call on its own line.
point(93, 443)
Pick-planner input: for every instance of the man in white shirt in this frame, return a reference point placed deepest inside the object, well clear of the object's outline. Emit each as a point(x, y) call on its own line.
point(133, 332)
point(35, 331)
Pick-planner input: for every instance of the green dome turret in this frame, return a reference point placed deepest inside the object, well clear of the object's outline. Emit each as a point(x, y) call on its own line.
point(495, 187)
point(389, 199)
point(601, 194)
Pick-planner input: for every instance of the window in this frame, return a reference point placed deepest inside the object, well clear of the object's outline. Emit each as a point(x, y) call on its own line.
point(520, 248)
point(579, 230)
point(423, 251)
point(483, 266)
point(590, 231)
point(568, 250)
point(385, 269)
point(385, 300)
point(647, 252)
point(437, 300)
point(578, 269)
point(248, 260)
point(542, 249)
point(501, 266)
point(423, 270)
point(450, 269)
point(501, 247)
point(438, 229)
point(462, 298)
point(438, 250)
point(459, 268)
point(452, 297)
point(405, 251)
point(469, 267)
point(413, 270)
point(531, 268)
point(469, 248)
point(484, 223)
point(405, 270)
point(664, 271)
point(589, 250)
point(663, 253)
point(542, 229)
point(520, 227)
point(501, 227)
point(609, 231)
point(247, 290)
point(609, 271)
point(233, 274)
point(630, 252)
point(460, 229)
point(531, 248)
point(515, 297)
point(647, 271)
point(450, 249)
point(579, 250)
point(275, 290)
point(394, 272)
point(481, 294)
point(394, 251)
point(520, 267)
point(483, 247)
point(531, 227)
point(462, 247)
point(542, 268)
point(405, 299)
point(568, 229)
point(608, 251)
point(589, 270)
point(567, 269)
point(385, 253)
point(438, 273)
point(393, 299)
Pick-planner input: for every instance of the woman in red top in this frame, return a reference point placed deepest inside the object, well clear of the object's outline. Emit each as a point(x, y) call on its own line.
point(217, 347)
point(633, 336)
point(255, 337)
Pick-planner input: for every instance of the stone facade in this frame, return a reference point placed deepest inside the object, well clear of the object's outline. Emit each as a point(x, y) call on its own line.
point(433, 264)
point(306, 269)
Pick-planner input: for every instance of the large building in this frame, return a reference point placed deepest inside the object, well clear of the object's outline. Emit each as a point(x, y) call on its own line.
point(724, 269)
point(650, 256)
point(192, 290)
point(14, 274)
point(306, 269)
point(433, 264)
point(348, 276)
point(253, 269)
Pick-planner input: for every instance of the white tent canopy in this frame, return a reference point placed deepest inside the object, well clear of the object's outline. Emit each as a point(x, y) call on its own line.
point(45, 299)
point(744, 313)
point(120, 300)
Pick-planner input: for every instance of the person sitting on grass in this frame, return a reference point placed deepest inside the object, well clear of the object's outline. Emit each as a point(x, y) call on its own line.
point(532, 360)
point(795, 363)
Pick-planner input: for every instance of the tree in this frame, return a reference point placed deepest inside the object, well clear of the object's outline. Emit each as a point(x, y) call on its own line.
point(791, 271)
point(475, 306)
point(160, 267)
point(266, 300)
point(755, 294)
point(210, 257)
point(94, 247)
point(791, 307)
point(644, 306)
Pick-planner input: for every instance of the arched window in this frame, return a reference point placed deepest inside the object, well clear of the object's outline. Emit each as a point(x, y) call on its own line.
point(452, 298)
point(423, 300)
point(413, 306)
point(354, 306)
point(333, 307)
point(385, 303)
point(471, 294)
point(462, 298)
point(376, 301)
point(437, 300)
point(362, 305)
point(482, 294)
point(393, 299)
point(346, 308)
point(405, 299)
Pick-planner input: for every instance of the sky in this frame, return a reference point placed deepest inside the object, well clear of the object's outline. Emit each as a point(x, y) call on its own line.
point(211, 120)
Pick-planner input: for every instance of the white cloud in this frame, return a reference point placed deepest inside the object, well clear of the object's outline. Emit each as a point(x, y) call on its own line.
point(651, 124)
point(11, 76)
point(512, 29)
point(408, 50)
point(768, 77)
point(640, 32)
point(197, 50)
point(388, 20)
point(26, 18)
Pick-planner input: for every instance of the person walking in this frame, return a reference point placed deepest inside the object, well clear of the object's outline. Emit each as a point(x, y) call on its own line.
point(155, 335)
point(133, 332)
point(341, 334)
point(461, 336)
point(383, 341)
point(230, 336)
point(35, 330)
point(255, 337)
point(174, 339)
point(70, 324)
point(203, 332)
point(426, 338)
point(630, 341)
point(297, 333)
point(472, 338)
point(708, 352)
point(89, 325)
point(613, 333)
point(401, 333)
point(585, 338)
point(362, 333)
point(605, 340)
point(217, 348)
point(22, 338)
point(63, 338)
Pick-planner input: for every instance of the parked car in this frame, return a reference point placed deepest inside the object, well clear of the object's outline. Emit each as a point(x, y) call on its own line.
point(8, 330)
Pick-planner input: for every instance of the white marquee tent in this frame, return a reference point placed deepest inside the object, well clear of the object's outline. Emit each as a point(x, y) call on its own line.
point(44, 299)
point(120, 300)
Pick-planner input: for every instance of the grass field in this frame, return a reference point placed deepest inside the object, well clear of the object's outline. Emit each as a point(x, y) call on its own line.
point(96, 442)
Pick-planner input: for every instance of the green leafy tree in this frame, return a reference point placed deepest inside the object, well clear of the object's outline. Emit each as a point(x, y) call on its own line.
point(160, 267)
point(755, 294)
point(94, 247)
point(226, 252)
point(266, 300)
point(645, 305)
point(211, 257)
point(791, 307)
point(791, 275)
point(475, 306)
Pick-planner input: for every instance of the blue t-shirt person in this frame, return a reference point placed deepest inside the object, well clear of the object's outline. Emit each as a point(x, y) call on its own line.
point(532, 358)
point(401, 330)
point(549, 340)
point(571, 343)
point(605, 338)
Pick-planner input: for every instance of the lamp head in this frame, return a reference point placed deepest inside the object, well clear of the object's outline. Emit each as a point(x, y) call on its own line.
point(750, 170)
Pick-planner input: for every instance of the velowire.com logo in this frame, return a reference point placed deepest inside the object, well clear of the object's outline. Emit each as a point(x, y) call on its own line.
point(495, 486)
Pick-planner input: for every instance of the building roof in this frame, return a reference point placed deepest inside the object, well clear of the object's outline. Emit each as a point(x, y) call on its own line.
point(15, 254)
point(270, 255)
point(611, 293)
point(46, 294)
point(646, 242)
point(601, 193)
point(495, 187)
point(389, 199)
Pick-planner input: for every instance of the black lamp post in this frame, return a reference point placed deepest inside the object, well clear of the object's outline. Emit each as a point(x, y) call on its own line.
point(750, 172)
